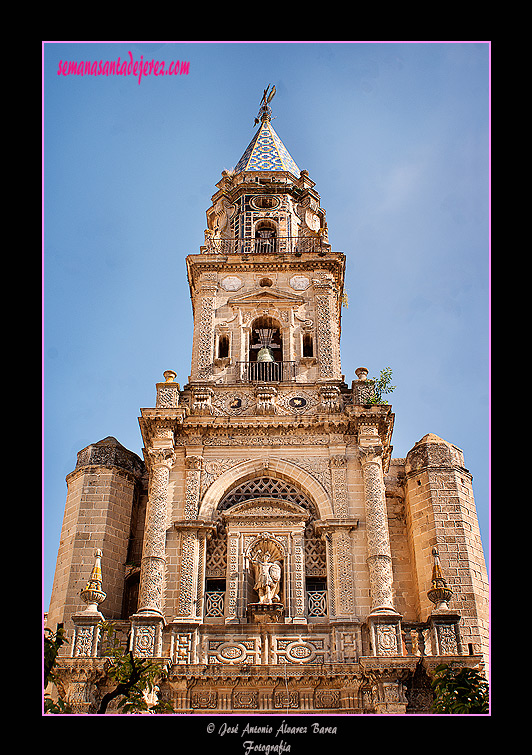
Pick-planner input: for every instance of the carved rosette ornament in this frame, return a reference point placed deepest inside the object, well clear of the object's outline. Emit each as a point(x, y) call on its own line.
point(153, 565)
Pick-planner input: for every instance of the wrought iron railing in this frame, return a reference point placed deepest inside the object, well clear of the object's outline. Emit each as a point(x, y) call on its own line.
point(277, 245)
point(266, 372)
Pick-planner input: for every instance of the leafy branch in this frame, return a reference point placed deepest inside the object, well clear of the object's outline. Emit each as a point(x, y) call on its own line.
point(459, 691)
point(52, 643)
point(381, 386)
point(135, 678)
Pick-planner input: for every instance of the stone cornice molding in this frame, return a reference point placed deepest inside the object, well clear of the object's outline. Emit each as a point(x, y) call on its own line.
point(133, 475)
point(332, 262)
point(194, 525)
point(325, 526)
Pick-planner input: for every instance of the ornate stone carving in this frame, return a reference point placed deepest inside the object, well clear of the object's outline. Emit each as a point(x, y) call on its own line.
point(265, 396)
point(202, 401)
point(338, 466)
point(182, 648)
point(205, 325)
point(193, 465)
point(330, 400)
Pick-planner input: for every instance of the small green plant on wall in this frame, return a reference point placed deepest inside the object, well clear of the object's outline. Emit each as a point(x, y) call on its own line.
point(381, 386)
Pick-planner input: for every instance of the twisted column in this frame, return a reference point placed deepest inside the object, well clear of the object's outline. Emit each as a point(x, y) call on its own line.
point(153, 565)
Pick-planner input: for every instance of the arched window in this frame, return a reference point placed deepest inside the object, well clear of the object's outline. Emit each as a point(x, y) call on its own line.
point(265, 487)
point(265, 334)
point(265, 237)
point(265, 353)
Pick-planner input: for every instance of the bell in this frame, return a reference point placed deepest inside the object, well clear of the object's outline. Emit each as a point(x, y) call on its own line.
point(265, 355)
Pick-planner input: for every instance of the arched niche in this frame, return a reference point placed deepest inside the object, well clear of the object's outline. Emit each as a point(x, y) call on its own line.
point(276, 468)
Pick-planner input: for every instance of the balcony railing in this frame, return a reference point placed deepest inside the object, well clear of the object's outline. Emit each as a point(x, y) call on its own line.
point(266, 372)
point(282, 245)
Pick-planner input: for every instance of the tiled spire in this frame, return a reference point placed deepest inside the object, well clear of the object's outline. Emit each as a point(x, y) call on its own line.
point(266, 151)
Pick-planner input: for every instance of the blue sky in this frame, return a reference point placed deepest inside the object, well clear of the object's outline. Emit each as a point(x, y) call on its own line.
point(396, 137)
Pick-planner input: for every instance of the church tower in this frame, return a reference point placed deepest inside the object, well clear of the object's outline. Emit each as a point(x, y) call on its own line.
point(271, 547)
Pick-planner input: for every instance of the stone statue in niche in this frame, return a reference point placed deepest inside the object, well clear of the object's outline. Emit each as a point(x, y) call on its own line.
point(267, 577)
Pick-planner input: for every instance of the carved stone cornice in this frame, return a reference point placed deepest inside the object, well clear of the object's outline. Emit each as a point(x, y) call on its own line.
point(324, 526)
point(266, 508)
point(337, 424)
point(379, 416)
point(151, 420)
point(390, 665)
point(332, 262)
point(194, 525)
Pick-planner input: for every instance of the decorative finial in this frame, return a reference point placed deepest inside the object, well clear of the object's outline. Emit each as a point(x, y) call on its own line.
point(440, 594)
point(93, 594)
point(265, 112)
point(169, 376)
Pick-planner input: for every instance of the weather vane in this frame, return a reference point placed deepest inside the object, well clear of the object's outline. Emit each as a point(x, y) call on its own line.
point(265, 110)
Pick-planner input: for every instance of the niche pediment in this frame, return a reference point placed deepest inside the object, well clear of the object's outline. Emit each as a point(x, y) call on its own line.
point(266, 508)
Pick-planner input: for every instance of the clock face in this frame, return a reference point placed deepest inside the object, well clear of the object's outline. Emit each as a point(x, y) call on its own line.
point(231, 283)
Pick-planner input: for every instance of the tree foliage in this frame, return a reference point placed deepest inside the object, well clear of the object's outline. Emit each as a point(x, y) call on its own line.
point(135, 678)
point(459, 691)
point(52, 643)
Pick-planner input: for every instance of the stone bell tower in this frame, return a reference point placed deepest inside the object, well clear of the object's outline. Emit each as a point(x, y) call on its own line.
point(280, 546)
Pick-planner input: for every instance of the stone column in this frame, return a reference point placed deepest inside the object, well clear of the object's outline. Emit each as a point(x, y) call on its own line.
point(378, 541)
point(296, 586)
point(384, 621)
point(153, 566)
